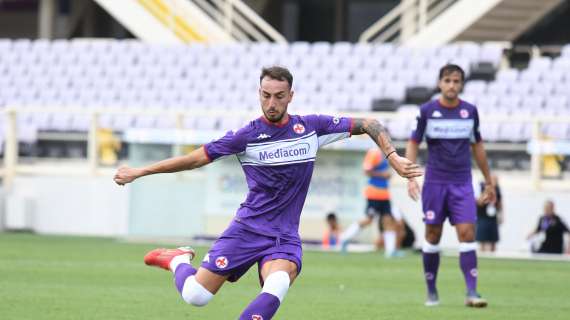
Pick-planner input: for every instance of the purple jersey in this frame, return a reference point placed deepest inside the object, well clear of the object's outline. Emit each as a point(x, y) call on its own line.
point(278, 163)
point(449, 133)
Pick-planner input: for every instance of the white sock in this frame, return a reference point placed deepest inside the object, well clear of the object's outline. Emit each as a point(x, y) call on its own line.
point(277, 284)
point(350, 232)
point(194, 293)
point(389, 242)
point(176, 261)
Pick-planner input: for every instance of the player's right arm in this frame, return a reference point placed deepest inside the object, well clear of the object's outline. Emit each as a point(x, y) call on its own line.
point(193, 160)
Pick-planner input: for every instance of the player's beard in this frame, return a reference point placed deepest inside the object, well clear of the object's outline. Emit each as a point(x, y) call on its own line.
point(276, 117)
point(450, 96)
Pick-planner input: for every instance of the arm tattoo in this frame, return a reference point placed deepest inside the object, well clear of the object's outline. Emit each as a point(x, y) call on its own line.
point(376, 131)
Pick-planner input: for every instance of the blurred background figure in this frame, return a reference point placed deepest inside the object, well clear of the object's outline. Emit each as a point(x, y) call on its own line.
point(489, 217)
point(548, 237)
point(378, 197)
point(405, 236)
point(332, 232)
point(109, 146)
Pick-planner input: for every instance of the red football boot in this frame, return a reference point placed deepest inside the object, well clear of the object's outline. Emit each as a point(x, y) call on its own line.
point(161, 257)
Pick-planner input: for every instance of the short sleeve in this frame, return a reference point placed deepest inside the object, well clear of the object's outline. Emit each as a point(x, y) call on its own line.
point(233, 142)
point(418, 133)
point(476, 135)
point(330, 129)
point(372, 159)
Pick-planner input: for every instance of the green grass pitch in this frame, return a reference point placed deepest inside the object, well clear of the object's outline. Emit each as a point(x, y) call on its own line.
point(54, 277)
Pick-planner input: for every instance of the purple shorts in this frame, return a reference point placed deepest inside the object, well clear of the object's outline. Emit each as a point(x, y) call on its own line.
point(453, 200)
point(238, 249)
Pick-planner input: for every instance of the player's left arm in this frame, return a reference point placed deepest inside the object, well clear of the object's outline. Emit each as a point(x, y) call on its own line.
point(481, 159)
point(380, 136)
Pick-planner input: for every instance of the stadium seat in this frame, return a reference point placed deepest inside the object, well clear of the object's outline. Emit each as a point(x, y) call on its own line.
point(340, 76)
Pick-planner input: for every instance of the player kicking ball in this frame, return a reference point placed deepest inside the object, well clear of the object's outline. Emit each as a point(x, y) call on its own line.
point(451, 129)
point(277, 153)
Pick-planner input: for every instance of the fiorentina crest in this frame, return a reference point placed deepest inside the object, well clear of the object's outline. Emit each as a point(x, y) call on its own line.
point(299, 128)
point(222, 262)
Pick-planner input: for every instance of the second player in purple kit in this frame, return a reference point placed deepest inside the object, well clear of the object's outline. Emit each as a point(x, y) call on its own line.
point(277, 153)
point(450, 127)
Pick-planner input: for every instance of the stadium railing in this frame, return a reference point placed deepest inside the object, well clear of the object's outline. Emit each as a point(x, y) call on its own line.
point(537, 146)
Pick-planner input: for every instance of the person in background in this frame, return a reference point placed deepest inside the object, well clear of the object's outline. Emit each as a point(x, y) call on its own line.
point(551, 226)
point(489, 217)
point(377, 195)
point(405, 236)
point(450, 127)
point(330, 237)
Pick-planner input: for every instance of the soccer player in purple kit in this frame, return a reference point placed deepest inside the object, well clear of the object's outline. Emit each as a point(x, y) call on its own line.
point(451, 127)
point(277, 153)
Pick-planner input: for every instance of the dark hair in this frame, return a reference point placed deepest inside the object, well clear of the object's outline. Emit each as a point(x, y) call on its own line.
point(331, 216)
point(451, 68)
point(277, 73)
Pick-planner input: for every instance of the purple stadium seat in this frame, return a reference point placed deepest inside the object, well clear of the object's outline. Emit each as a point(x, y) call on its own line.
point(299, 48)
point(507, 75)
point(383, 50)
point(520, 88)
point(530, 75)
point(541, 88)
point(320, 48)
point(417, 63)
point(497, 88)
point(562, 63)
point(552, 76)
point(475, 87)
point(342, 49)
point(449, 51)
point(557, 130)
point(565, 51)
point(491, 53)
point(540, 63)
point(394, 90)
point(364, 50)
point(361, 102)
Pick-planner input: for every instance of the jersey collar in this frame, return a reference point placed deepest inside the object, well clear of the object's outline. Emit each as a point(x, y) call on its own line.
point(269, 123)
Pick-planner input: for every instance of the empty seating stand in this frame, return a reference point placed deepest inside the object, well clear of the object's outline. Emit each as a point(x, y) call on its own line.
point(328, 77)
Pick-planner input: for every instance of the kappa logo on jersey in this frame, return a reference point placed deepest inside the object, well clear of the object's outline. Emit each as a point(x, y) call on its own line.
point(430, 215)
point(336, 120)
point(436, 114)
point(222, 262)
point(464, 113)
point(299, 128)
point(206, 258)
point(474, 273)
point(256, 317)
point(263, 136)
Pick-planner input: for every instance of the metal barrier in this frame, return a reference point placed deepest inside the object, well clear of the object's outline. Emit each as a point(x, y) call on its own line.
point(537, 146)
point(405, 20)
